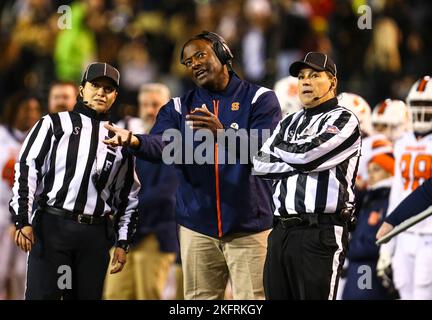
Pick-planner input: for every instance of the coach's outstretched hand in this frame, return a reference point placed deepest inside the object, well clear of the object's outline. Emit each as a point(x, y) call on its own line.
point(24, 238)
point(383, 230)
point(122, 137)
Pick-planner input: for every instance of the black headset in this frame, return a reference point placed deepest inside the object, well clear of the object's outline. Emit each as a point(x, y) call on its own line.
point(220, 47)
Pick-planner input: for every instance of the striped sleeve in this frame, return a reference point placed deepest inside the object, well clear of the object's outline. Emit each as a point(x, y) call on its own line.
point(126, 200)
point(338, 140)
point(266, 164)
point(29, 170)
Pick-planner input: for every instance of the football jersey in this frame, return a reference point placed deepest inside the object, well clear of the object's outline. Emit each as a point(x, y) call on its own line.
point(413, 166)
point(371, 146)
point(10, 141)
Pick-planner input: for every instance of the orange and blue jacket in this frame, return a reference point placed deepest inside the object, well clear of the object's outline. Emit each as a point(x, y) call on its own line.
point(218, 197)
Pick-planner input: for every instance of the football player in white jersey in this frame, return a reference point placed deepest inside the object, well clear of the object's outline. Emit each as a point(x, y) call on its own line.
point(410, 253)
point(20, 114)
point(372, 143)
point(391, 118)
point(286, 90)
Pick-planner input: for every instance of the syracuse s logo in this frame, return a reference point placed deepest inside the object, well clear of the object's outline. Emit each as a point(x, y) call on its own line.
point(235, 106)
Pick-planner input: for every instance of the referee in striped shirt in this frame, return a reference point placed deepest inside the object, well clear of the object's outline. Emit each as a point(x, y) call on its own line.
point(313, 157)
point(75, 182)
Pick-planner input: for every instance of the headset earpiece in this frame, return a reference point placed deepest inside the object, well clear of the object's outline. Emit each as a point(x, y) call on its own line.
point(220, 47)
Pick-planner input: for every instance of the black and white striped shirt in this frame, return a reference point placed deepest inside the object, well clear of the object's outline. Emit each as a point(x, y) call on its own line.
point(313, 156)
point(63, 163)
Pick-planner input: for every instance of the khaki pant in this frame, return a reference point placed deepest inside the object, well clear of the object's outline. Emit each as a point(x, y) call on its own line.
point(144, 276)
point(179, 294)
point(208, 263)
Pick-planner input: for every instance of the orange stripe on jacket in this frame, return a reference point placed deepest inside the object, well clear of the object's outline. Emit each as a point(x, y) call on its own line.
point(218, 206)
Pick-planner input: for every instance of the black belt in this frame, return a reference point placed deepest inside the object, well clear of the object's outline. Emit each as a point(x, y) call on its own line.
point(80, 218)
point(310, 219)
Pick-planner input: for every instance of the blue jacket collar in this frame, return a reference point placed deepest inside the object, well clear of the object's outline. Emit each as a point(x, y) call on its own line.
point(232, 86)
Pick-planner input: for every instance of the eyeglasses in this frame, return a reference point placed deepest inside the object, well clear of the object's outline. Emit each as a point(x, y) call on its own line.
point(107, 89)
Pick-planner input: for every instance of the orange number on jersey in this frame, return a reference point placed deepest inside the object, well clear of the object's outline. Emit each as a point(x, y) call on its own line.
point(405, 169)
point(421, 169)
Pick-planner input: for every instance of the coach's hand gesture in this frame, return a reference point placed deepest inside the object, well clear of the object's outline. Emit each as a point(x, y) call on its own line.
point(383, 230)
point(206, 120)
point(24, 238)
point(122, 137)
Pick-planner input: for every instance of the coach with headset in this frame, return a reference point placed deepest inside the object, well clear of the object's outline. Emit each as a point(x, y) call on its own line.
point(224, 211)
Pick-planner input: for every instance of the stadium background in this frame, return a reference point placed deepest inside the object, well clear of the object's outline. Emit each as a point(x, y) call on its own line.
point(143, 39)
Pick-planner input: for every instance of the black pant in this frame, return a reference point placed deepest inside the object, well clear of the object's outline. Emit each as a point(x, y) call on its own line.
point(62, 248)
point(304, 261)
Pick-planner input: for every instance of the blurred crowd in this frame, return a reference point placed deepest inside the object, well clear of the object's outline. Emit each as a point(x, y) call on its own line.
point(45, 45)
point(143, 39)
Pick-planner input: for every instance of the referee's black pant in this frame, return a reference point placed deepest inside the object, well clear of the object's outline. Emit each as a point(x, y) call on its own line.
point(69, 260)
point(304, 260)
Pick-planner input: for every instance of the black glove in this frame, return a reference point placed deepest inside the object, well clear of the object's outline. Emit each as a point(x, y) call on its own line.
point(350, 218)
point(386, 279)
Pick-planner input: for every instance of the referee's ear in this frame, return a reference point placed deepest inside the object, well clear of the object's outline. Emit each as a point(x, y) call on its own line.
point(335, 83)
point(80, 90)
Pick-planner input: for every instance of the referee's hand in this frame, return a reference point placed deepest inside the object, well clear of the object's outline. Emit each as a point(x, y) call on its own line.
point(122, 137)
point(24, 238)
point(118, 260)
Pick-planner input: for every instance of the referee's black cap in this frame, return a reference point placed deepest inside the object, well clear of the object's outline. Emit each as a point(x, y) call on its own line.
point(101, 69)
point(314, 60)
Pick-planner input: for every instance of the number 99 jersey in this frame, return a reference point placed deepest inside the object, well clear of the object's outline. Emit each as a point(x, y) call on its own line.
point(413, 161)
